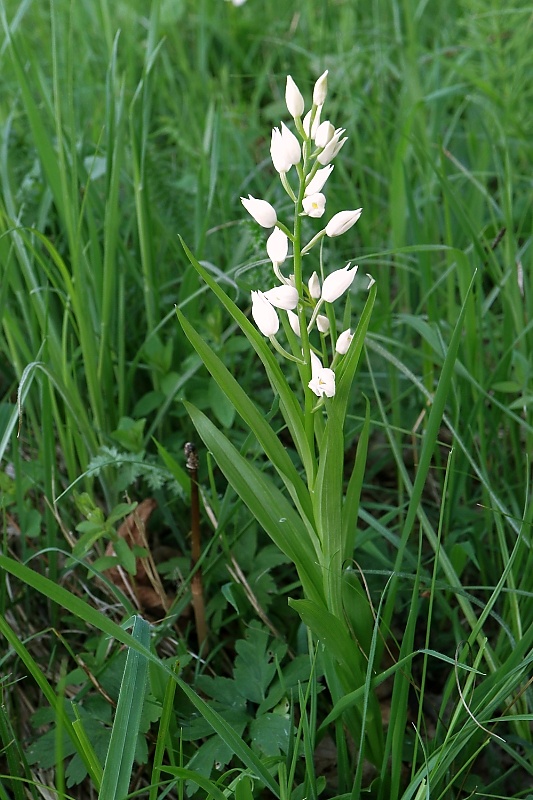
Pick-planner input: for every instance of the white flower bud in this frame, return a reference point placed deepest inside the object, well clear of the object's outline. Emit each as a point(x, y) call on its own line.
point(294, 322)
point(314, 205)
point(316, 122)
point(317, 182)
point(321, 89)
point(314, 286)
point(337, 282)
point(342, 222)
point(371, 281)
point(325, 133)
point(277, 246)
point(322, 323)
point(294, 99)
point(260, 210)
point(332, 148)
point(344, 341)
point(283, 296)
point(264, 314)
point(284, 149)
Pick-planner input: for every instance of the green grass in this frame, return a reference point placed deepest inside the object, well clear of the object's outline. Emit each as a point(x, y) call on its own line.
point(124, 126)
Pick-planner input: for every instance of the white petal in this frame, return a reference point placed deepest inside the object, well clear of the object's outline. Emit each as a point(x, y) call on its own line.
point(264, 314)
point(283, 297)
point(314, 286)
point(314, 205)
point(342, 222)
point(294, 99)
point(344, 341)
point(294, 322)
point(318, 180)
point(260, 210)
point(321, 89)
point(336, 283)
point(322, 323)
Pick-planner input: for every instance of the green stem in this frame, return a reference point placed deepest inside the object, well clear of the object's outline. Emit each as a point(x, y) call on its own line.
point(298, 281)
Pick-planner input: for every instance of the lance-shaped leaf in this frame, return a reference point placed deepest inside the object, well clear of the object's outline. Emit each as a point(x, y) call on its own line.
point(269, 506)
point(254, 418)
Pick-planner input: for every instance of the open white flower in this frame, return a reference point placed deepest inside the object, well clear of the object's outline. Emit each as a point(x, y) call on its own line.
point(284, 296)
point(322, 378)
point(342, 222)
point(314, 205)
point(284, 149)
point(260, 210)
point(336, 283)
point(264, 314)
point(277, 246)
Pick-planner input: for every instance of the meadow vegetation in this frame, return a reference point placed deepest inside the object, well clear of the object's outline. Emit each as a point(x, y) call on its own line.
point(137, 660)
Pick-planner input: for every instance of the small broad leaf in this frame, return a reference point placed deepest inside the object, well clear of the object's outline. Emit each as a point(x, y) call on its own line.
point(270, 734)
